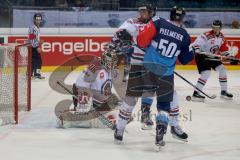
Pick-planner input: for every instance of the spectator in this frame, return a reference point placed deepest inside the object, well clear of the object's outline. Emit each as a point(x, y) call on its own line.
point(235, 25)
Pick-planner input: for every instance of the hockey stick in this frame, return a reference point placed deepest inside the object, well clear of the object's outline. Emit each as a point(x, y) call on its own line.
point(220, 56)
point(211, 97)
point(103, 119)
point(218, 60)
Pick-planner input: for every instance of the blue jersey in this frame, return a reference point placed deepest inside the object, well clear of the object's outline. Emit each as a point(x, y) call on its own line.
point(165, 42)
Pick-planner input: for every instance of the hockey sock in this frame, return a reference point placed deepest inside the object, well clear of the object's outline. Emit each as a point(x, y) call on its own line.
point(174, 110)
point(222, 77)
point(202, 80)
point(124, 116)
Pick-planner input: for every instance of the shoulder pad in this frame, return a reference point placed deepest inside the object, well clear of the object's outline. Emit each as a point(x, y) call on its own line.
point(133, 20)
point(208, 34)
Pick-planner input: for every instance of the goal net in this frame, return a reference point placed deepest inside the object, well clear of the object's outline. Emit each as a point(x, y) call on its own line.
point(15, 81)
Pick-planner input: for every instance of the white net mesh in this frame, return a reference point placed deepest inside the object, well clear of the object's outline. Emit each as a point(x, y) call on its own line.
point(9, 74)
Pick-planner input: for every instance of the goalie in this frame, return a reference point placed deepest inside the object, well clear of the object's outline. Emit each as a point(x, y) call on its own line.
point(92, 90)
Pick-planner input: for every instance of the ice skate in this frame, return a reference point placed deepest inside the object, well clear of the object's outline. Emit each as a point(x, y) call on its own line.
point(197, 97)
point(226, 95)
point(178, 133)
point(160, 131)
point(146, 121)
point(118, 136)
point(38, 77)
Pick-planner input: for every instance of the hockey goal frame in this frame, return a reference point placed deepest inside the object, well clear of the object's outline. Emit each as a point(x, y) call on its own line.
point(29, 74)
point(16, 66)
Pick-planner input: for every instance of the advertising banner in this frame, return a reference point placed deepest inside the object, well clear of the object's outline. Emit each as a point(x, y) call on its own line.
point(57, 49)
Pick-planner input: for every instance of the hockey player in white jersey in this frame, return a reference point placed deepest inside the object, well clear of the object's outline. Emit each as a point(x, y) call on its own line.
point(132, 26)
point(93, 85)
point(211, 42)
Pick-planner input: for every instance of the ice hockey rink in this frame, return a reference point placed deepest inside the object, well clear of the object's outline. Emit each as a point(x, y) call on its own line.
point(213, 128)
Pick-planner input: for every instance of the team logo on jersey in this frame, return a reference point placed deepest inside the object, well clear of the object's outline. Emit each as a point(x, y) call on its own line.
point(214, 49)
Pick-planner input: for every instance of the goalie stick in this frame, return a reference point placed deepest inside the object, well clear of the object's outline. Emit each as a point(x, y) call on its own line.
point(180, 76)
point(103, 119)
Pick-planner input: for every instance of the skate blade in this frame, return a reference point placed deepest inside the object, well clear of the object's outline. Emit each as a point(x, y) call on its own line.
point(226, 98)
point(197, 99)
point(118, 142)
point(159, 146)
point(176, 137)
point(37, 79)
point(146, 127)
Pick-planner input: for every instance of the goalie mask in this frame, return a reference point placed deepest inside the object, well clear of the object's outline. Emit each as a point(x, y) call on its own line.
point(109, 58)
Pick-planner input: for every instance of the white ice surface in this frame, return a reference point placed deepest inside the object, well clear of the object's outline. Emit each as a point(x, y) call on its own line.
point(213, 128)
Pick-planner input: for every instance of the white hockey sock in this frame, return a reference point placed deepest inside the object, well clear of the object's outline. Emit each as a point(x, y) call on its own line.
point(202, 80)
point(174, 111)
point(124, 115)
point(222, 77)
point(173, 117)
point(223, 83)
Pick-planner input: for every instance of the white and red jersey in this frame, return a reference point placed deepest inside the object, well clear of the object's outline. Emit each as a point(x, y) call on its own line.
point(97, 79)
point(133, 25)
point(210, 43)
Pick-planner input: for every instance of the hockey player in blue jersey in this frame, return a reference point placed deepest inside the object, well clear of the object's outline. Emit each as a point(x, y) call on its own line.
point(146, 119)
point(164, 43)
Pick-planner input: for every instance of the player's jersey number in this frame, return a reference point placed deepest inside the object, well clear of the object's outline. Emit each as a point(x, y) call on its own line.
point(168, 49)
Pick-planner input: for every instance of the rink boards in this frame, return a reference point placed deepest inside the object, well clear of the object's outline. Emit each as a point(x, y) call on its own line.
point(61, 44)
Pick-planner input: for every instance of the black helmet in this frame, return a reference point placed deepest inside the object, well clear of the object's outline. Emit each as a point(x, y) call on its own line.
point(217, 23)
point(37, 15)
point(150, 7)
point(177, 13)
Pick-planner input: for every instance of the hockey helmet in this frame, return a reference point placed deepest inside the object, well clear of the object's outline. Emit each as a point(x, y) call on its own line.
point(177, 13)
point(217, 23)
point(150, 7)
